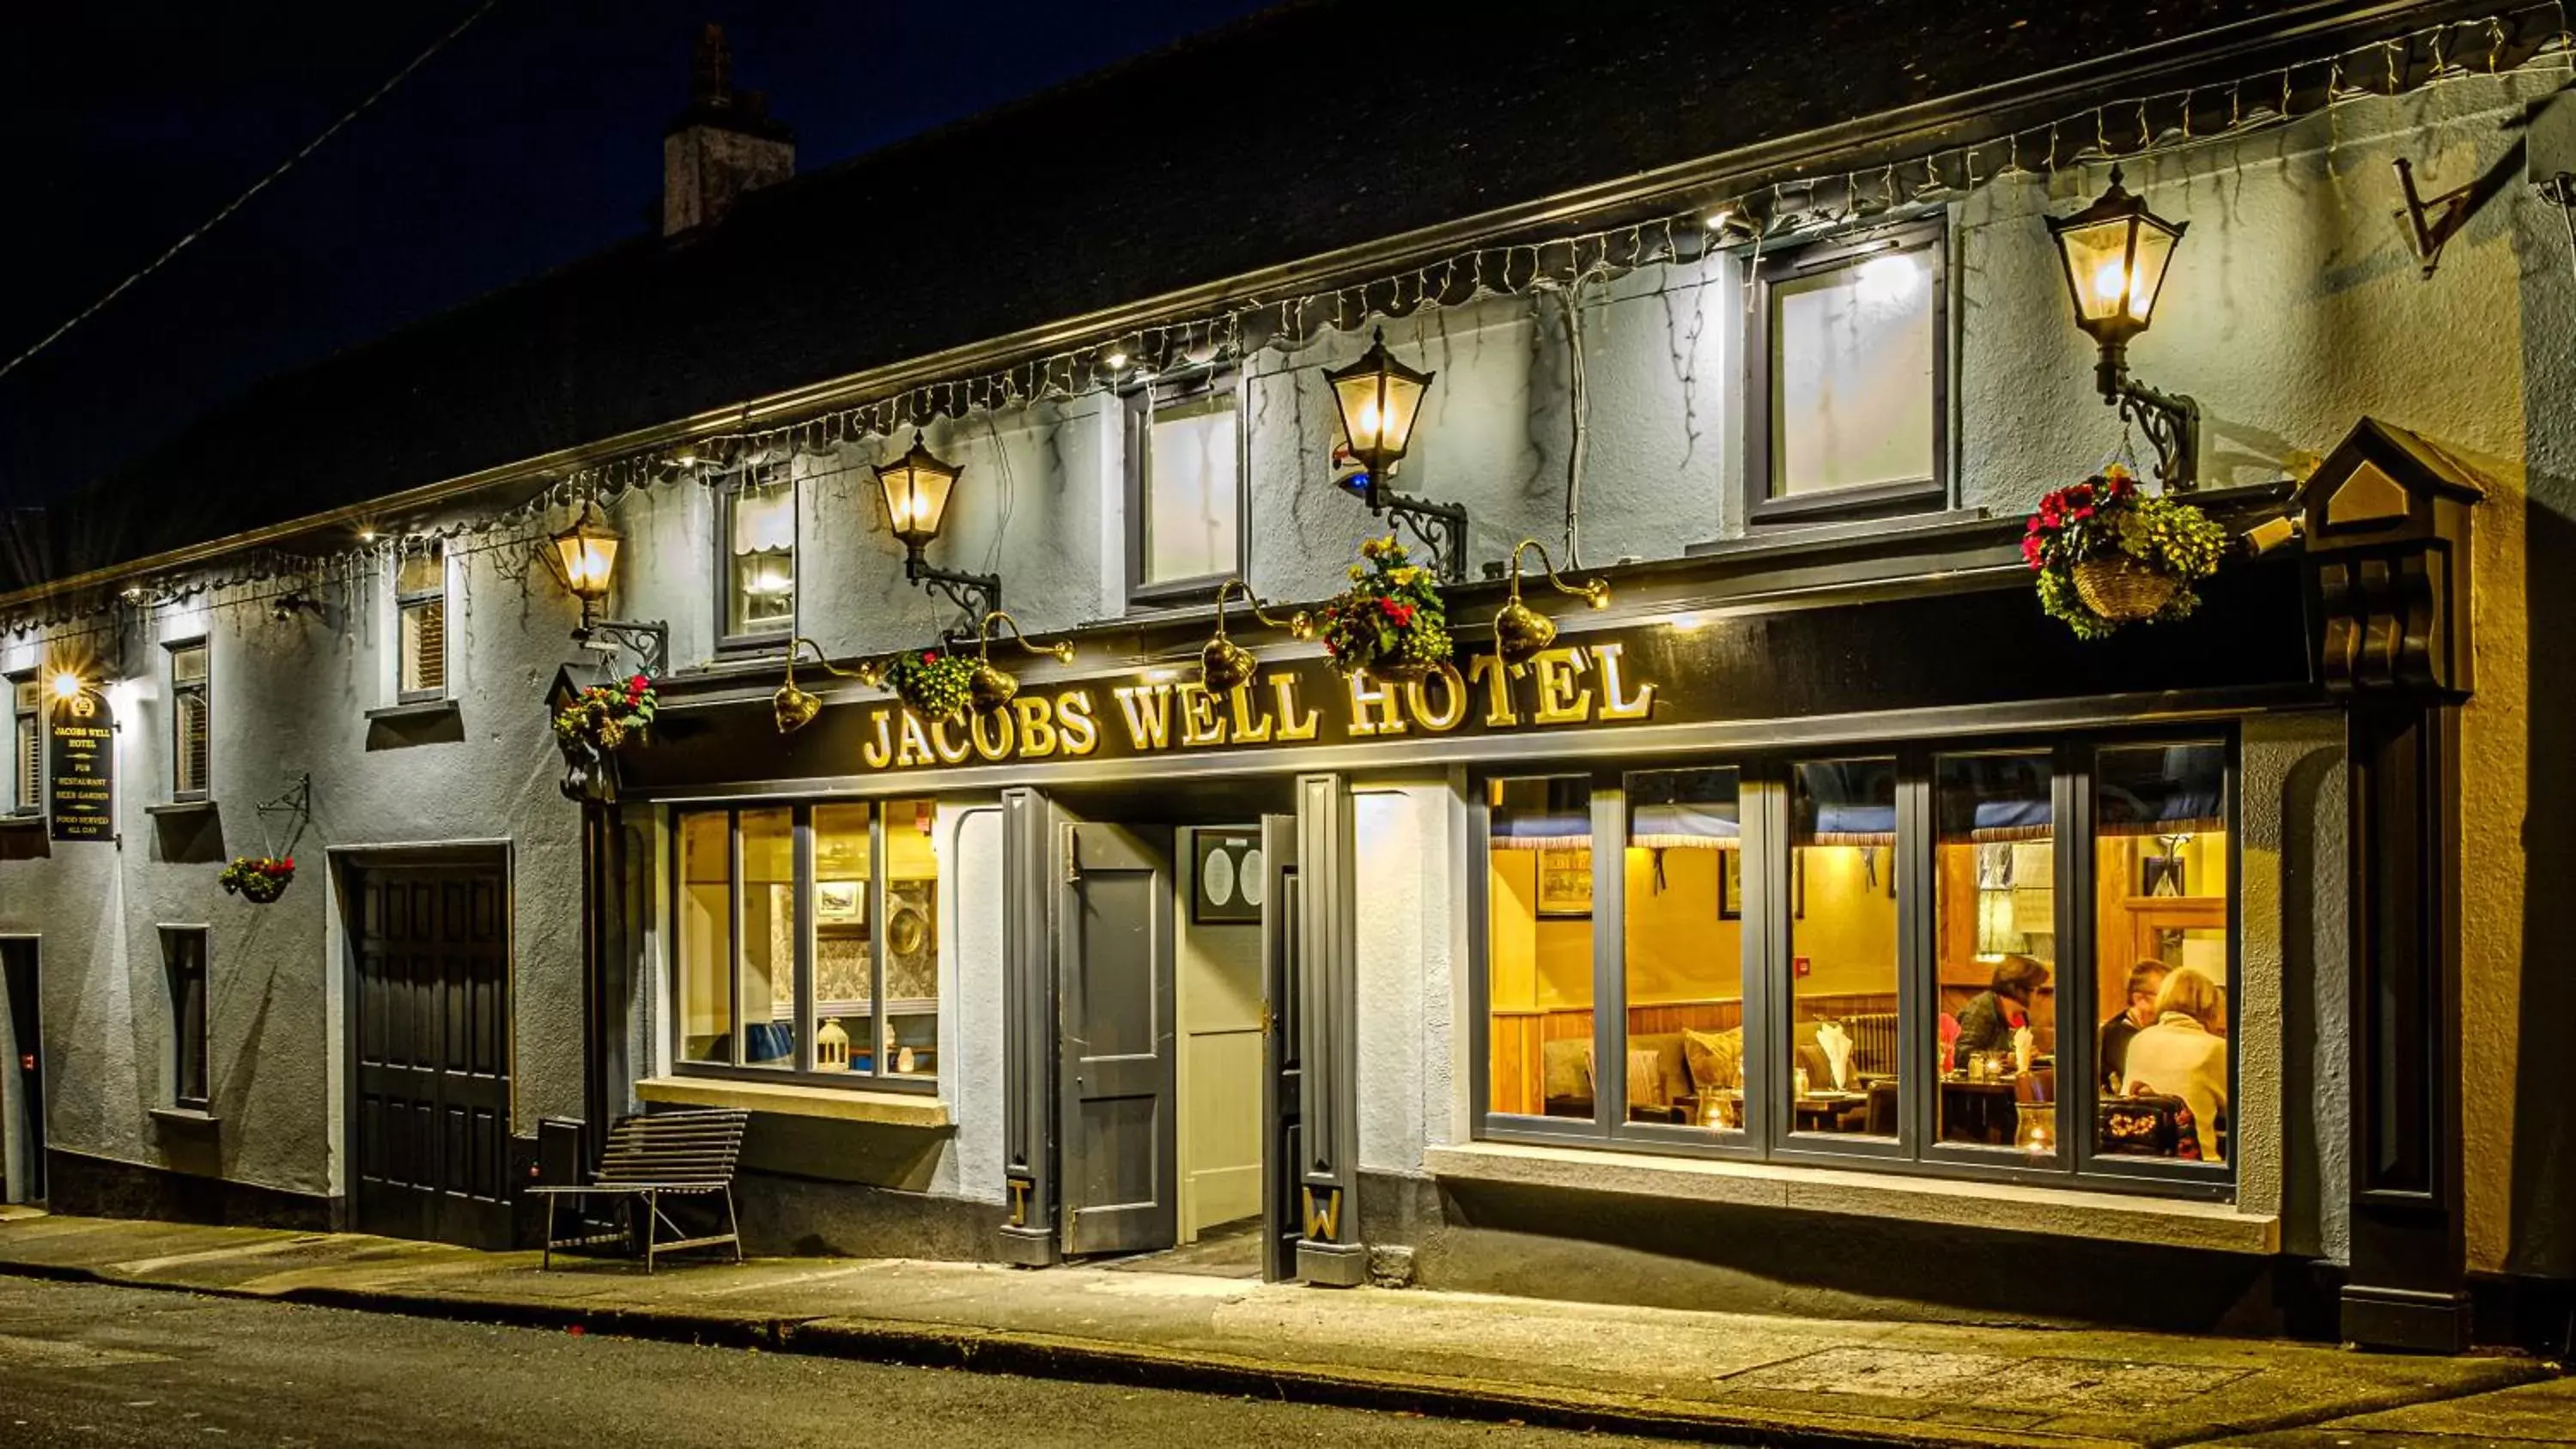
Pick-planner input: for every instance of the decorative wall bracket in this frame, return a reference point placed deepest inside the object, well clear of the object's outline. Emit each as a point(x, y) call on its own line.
point(1442, 528)
point(2431, 223)
point(976, 596)
point(649, 640)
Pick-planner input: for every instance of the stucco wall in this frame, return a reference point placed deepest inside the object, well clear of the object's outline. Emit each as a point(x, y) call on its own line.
point(2293, 308)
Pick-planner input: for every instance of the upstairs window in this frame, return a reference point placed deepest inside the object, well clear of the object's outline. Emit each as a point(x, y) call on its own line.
point(757, 558)
point(1847, 378)
point(191, 726)
point(183, 962)
point(26, 745)
point(1184, 488)
point(420, 605)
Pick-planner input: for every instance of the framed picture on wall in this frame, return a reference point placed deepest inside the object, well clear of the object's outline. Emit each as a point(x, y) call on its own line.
point(841, 902)
point(2161, 875)
point(1730, 885)
point(1226, 878)
point(1564, 883)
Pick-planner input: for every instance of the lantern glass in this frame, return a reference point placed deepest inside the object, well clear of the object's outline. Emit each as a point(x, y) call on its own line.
point(1379, 399)
point(916, 487)
point(2116, 254)
point(587, 557)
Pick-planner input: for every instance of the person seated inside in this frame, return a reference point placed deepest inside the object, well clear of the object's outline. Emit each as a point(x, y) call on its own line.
point(2111, 1045)
point(1988, 1021)
point(2184, 1054)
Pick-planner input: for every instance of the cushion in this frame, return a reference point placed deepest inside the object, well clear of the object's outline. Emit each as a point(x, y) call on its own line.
point(1715, 1058)
point(1565, 1068)
point(1667, 1047)
point(1646, 1078)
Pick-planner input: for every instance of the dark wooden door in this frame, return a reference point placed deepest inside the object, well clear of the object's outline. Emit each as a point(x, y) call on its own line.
point(431, 1129)
point(1280, 1152)
point(1117, 1081)
point(24, 1071)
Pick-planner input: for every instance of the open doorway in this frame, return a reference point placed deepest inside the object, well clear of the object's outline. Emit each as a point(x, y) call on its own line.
point(22, 1076)
point(1173, 1059)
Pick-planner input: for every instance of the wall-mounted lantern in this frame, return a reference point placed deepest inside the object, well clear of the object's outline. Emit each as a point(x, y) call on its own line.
point(2116, 253)
point(584, 560)
point(1380, 399)
point(917, 488)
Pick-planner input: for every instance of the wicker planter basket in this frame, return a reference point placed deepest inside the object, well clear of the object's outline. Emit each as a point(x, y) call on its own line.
point(2121, 589)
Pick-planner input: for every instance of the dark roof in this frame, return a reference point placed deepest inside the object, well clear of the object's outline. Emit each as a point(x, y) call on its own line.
point(1261, 143)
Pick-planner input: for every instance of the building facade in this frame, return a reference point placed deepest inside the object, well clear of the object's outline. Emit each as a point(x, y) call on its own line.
point(1815, 925)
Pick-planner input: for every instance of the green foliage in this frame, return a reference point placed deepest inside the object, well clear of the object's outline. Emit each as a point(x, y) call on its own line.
point(2107, 516)
point(606, 716)
point(1391, 620)
point(932, 683)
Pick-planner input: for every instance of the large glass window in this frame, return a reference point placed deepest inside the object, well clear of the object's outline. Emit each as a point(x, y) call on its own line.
point(704, 999)
point(759, 563)
point(1840, 1072)
point(1684, 946)
point(1868, 959)
point(1848, 366)
point(1538, 896)
point(2162, 887)
point(1995, 904)
point(816, 928)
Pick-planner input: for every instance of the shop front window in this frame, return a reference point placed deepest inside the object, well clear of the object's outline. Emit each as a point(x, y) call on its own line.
point(1840, 1072)
point(2161, 876)
point(1538, 896)
point(1864, 959)
point(1684, 945)
point(816, 929)
point(1995, 921)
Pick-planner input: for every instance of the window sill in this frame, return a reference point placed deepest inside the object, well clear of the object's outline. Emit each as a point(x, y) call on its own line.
point(32, 821)
point(892, 1109)
point(185, 1116)
point(181, 808)
point(419, 709)
point(1999, 1206)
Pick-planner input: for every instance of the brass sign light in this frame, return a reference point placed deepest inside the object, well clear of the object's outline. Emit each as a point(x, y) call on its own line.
point(1224, 665)
point(2116, 253)
point(1521, 632)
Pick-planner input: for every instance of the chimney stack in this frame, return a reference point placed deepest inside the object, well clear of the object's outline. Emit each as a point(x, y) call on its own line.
point(723, 145)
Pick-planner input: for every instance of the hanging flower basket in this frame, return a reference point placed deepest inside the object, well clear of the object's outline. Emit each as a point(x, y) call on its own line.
point(2108, 554)
point(607, 717)
point(1390, 621)
point(933, 683)
point(258, 879)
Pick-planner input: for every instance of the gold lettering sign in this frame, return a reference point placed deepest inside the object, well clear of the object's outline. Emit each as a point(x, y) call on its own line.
point(1300, 702)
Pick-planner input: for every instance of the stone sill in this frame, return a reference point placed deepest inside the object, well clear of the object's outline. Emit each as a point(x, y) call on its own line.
point(892, 1109)
point(185, 1116)
point(1998, 1206)
point(180, 808)
point(419, 709)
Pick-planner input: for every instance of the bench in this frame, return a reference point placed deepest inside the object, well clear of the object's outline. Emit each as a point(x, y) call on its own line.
point(648, 1158)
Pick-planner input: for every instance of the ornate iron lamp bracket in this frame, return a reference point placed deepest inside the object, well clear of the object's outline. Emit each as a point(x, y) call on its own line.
point(1442, 528)
point(973, 595)
point(2172, 425)
point(649, 640)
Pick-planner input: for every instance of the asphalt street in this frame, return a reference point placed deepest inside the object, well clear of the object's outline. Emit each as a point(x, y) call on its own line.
point(89, 1365)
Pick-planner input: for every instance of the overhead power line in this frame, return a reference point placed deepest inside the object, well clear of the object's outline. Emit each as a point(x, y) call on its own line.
point(256, 187)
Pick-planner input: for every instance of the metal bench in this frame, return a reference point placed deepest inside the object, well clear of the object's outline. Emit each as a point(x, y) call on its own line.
point(663, 1154)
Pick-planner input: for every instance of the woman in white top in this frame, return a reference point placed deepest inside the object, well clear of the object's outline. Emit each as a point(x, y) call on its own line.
point(2185, 1053)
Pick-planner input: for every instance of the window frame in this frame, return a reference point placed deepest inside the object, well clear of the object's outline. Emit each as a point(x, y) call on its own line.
point(173, 967)
point(1764, 788)
point(27, 792)
point(1877, 500)
point(202, 691)
point(727, 491)
point(800, 1070)
point(1143, 401)
point(406, 600)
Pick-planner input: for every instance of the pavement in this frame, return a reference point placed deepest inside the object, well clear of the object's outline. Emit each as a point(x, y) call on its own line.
point(1702, 1376)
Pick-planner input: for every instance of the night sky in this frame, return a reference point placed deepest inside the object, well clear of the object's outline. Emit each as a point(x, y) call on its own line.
point(532, 140)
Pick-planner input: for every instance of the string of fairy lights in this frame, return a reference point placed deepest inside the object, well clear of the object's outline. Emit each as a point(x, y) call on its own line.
point(1746, 219)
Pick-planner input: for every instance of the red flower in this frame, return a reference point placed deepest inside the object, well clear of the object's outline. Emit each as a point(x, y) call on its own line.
point(287, 864)
point(929, 656)
point(637, 683)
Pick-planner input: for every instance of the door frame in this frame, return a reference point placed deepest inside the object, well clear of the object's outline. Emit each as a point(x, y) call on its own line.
point(14, 1141)
point(341, 860)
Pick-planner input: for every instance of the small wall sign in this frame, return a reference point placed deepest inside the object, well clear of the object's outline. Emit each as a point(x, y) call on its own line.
point(80, 769)
point(1226, 878)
